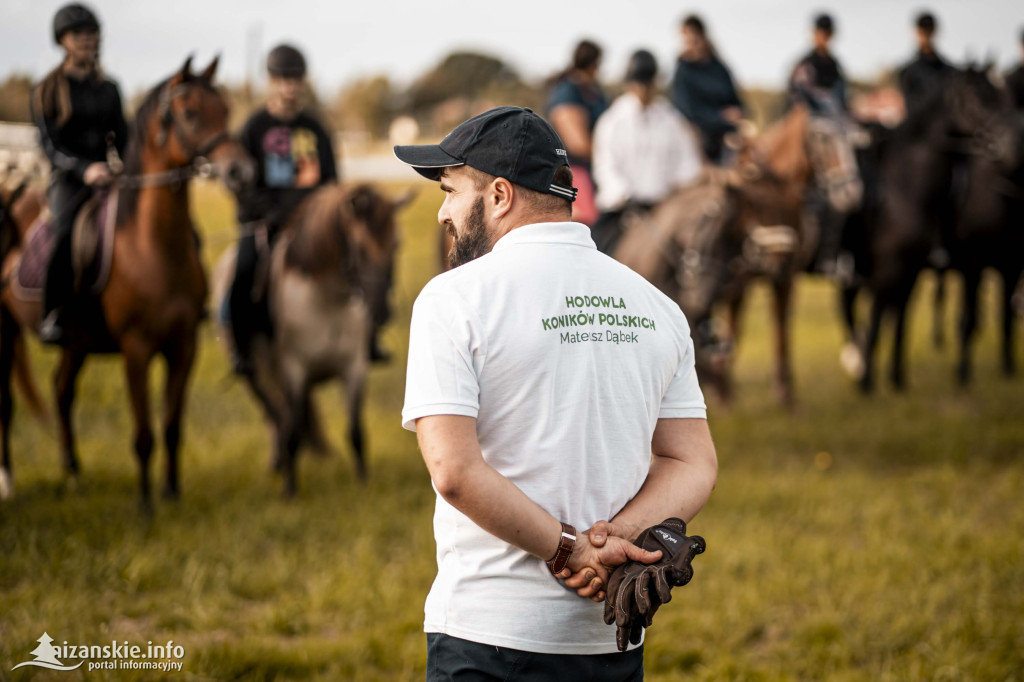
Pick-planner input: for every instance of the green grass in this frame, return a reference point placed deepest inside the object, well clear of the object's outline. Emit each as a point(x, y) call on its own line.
point(896, 556)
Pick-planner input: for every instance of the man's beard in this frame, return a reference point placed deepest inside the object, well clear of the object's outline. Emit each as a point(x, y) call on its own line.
point(472, 241)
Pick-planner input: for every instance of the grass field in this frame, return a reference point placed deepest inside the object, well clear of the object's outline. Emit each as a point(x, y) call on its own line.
point(898, 555)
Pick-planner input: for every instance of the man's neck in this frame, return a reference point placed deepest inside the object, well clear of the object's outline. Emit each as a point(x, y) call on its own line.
point(529, 219)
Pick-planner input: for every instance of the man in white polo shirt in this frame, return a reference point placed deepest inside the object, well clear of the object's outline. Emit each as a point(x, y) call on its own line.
point(542, 375)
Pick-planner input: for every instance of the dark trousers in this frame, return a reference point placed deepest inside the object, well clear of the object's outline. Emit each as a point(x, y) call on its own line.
point(65, 195)
point(611, 225)
point(247, 313)
point(450, 659)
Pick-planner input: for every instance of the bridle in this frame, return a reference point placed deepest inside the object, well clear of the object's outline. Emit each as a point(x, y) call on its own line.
point(199, 166)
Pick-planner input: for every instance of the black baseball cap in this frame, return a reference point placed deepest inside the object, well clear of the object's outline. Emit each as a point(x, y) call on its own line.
point(507, 142)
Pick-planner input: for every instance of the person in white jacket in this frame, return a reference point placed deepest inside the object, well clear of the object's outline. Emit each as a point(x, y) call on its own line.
point(643, 150)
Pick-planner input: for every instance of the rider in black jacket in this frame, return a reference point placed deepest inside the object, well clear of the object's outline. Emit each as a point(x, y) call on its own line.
point(78, 112)
point(927, 69)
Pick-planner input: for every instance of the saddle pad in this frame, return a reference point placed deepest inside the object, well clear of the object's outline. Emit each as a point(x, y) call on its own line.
point(92, 249)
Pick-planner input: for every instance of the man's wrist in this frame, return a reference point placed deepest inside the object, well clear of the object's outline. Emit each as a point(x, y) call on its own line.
point(566, 544)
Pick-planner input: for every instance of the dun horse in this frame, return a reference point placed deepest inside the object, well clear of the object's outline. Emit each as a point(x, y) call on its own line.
point(154, 293)
point(329, 271)
point(706, 243)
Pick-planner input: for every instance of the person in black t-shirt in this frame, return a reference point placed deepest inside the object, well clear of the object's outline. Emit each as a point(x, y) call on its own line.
point(78, 112)
point(927, 69)
point(294, 156)
point(817, 79)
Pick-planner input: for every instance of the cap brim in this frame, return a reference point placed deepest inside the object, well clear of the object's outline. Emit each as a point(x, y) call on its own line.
point(426, 159)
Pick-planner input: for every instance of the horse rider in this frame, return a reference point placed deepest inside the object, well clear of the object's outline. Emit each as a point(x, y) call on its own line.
point(928, 68)
point(643, 150)
point(817, 82)
point(704, 91)
point(817, 79)
point(1015, 81)
point(574, 104)
point(294, 156)
point(79, 114)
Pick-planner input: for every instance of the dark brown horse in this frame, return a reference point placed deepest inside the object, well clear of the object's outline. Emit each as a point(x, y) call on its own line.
point(155, 293)
point(706, 243)
point(330, 270)
point(914, 200)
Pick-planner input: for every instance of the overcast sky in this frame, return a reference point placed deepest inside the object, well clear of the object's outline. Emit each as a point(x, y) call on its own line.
point(145, 40)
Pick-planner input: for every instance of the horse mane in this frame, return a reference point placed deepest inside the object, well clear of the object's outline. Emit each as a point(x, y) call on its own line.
point(128, 196)
point(919, 117)
point(319, 232)
point(785, 157)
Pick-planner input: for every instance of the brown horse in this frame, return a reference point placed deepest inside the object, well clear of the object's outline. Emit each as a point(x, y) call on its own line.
point(155, 293)
point(704, 244)
point(329, 272)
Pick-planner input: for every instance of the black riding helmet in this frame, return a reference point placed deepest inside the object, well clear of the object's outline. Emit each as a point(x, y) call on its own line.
point(642, 68)
point(285, 61)
point(71, 18)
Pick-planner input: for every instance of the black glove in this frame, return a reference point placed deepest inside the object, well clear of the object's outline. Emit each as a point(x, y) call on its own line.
point(636, 590)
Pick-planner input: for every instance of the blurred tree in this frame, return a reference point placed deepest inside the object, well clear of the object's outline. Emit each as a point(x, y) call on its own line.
point(461, 74)
point(367, 105)
point(15, 95)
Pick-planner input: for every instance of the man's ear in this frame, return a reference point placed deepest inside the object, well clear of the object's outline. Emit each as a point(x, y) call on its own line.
point(502, 194)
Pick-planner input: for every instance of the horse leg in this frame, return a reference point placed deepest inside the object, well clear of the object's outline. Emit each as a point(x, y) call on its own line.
point(878, 306)
point(896, 369)
point(850, 357)
point(64, 383)
point(137, 355)
point(968, 323)
point(783, 289)
point(179, 368)
point(938, 310)
point(354, 391)
point(295, 384)
point(8, 337)
point(1010, 277)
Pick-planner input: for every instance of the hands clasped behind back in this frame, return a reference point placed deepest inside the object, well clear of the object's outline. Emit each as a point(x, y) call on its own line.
point(597, 553)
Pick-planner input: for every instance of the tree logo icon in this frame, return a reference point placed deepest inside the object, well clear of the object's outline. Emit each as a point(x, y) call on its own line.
point(46, 656)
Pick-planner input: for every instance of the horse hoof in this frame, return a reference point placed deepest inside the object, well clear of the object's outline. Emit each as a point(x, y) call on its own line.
point(852, 361)
point(6, 485)
point(171, 494)
point(72, 483)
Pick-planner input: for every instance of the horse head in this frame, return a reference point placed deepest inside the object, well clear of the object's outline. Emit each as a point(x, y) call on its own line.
point(979, 111)
point(831, 144)
point(184, 120)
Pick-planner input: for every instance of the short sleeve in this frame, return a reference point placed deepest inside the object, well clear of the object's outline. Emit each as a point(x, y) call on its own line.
point(684, 399)
point(446, 354)
point(565, 92)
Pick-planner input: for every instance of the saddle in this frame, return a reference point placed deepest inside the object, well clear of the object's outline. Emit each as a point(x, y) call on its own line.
point(92, 246)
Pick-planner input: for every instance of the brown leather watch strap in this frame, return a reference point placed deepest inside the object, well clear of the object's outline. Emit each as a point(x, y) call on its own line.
point(565, 546)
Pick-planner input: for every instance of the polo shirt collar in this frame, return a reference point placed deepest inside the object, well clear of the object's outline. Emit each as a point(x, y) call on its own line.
point(576, 234)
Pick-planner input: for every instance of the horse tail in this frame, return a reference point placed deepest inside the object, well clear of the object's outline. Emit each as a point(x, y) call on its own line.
point(26, 383)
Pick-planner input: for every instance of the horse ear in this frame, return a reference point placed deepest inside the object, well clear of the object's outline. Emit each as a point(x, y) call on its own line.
point(186, 69)
point(209, 72)
point(404, 199)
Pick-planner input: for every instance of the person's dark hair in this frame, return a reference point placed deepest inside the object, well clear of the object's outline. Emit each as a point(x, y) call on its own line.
point(642, 68)
point(696, 24)
point(823, 22)
point(586, 55)
point(926, 21)
point(542, 201)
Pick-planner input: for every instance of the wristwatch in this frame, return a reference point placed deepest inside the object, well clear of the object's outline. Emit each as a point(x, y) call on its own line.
point(565, 546)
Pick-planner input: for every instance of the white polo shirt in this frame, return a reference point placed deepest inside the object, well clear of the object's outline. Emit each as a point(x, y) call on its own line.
point(567, 359)
point(642, 153)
